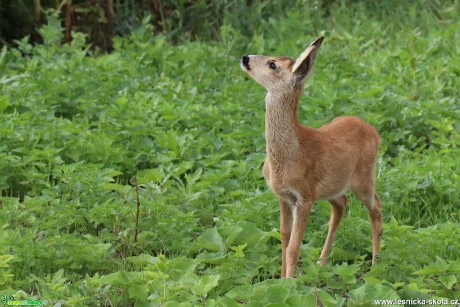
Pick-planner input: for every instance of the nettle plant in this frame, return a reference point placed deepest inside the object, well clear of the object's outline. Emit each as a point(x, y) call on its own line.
point(197, 225)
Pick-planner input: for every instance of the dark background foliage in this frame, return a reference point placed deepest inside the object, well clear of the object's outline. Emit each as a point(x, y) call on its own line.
point(101, 20)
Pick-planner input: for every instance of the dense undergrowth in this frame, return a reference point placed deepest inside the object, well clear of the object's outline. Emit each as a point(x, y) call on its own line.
point(187, 124)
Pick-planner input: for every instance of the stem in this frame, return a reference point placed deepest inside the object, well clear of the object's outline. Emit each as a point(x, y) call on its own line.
point(138, 205)
point(68, 22)
point(37, 9)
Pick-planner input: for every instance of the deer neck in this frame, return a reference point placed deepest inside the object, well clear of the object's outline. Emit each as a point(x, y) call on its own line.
point(282, 129)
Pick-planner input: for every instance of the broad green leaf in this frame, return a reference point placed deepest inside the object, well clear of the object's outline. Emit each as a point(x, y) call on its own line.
point(347, 272)
point(302, 300)
point(417, 286)
point(189, 280)
point(276, 294)
point(206, 284)
point(115, 173)
point(211, 240)
point(250, 234)
point(149, 175)
point(121, 278)
point(177, 304)
point(137, 291)
point(241, 293)
point(441, 266)
point(230, 233)
point(413, 295)
point(212, 258)
point(454, 266)
point(180, 266)
point(222, 301)
point(368, 293)
point(326, 299)
point(142, 259)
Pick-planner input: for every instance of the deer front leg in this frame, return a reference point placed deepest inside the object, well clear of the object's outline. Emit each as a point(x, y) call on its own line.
point(300, 213)
point(285, 230)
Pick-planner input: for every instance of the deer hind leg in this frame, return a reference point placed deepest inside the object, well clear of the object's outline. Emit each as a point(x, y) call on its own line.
point(370, 198)
point(375, 214)
point(338, 207)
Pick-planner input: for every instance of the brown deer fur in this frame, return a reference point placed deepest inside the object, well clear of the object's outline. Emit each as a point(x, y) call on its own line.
point(305, 164)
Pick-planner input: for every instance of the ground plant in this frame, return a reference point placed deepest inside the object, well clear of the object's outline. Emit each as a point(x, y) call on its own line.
point(133, 178)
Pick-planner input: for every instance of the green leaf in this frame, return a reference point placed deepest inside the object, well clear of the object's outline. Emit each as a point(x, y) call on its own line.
point(3, 56)
point(406, 294)
point(448, 280)
point(4, 260)
point(276, 294)
point(137, 291)
point(122, 101)
point(326, 299)
point(347, 272)
point(339, 254)
point(180, 266)
point(142, 259)
point(121, 278)
point(4, 277)
point(212, 258)
point(250, 234)
point(302, 300)
point(189, 280)
point(149, 175)
point(4, 102)
point(211, 240)
point(222, 301)
point(176, 304)
point(239, 253)
point(441, 266)
point(206, 284)
point(368, 293)
point(241, 293)
point(230, 232)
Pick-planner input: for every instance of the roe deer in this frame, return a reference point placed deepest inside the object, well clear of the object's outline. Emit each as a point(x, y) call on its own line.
point(305, 164)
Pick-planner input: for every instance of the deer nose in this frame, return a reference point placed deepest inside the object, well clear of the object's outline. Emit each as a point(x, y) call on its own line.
point(245, 62)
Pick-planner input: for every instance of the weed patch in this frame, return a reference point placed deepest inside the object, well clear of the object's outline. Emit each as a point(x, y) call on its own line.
point(188, 124)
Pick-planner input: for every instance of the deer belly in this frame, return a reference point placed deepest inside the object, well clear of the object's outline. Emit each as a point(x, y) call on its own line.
point(329, 192)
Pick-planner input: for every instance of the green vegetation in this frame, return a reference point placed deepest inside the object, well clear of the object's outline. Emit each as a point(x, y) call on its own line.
point(178, 130)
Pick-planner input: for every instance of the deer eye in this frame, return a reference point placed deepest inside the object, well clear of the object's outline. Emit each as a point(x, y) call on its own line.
point(272, 65)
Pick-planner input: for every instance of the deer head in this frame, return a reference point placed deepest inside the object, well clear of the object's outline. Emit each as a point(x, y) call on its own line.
point(278, 73)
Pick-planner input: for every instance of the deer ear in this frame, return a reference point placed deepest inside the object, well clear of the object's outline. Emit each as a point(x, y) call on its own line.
point(304, 62)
